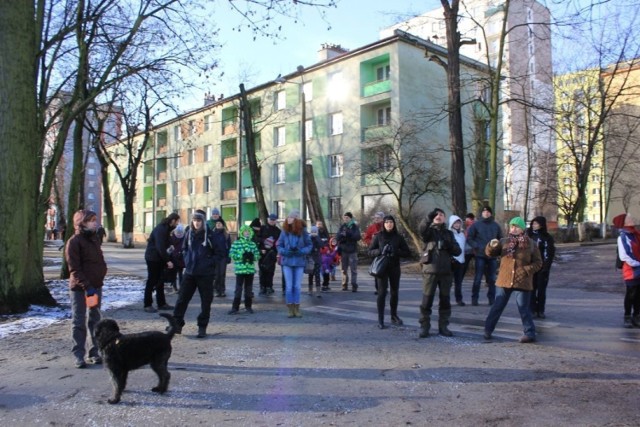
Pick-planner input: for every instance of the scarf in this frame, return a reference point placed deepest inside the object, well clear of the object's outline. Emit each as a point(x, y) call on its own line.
point(516, 241)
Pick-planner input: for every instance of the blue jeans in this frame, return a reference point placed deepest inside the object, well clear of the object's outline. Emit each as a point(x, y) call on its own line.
point(523, 299)
point(487, 267)
point(293, 282)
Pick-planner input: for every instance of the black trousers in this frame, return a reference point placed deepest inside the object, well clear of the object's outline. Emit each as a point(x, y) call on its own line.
point(204, 285)
point(390, 281)
point(154, 282)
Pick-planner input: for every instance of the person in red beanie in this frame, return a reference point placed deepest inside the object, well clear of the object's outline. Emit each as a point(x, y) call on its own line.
point(629, 253)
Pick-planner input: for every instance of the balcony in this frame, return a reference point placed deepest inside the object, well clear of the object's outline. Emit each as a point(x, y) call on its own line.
point(230, 161)
point(162, 176)
point(229, 128)
point(162, 203)
point(248, 192)
point(376, 133)
point(374, 88)
point(231, 194)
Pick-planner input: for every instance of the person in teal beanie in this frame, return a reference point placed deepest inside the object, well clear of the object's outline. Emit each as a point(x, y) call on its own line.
point(244, 253)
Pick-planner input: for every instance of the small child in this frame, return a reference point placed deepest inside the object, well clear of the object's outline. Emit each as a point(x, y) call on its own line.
point(329, 256)
point(333, 244)
point(174, 275)
point(244, 253)
point(315, 254)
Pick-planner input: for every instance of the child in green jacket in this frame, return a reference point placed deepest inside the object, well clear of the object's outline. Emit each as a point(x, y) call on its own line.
point(244, 253)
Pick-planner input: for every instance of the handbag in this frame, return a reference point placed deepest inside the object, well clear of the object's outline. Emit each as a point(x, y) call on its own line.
point(379, 266)
point(309, 265)
point(426, 257)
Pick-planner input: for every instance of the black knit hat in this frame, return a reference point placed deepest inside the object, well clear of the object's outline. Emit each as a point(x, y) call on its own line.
point(349, 214)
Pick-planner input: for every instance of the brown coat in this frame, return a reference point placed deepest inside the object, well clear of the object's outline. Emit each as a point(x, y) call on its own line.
point(517, 271)
point(87, 267)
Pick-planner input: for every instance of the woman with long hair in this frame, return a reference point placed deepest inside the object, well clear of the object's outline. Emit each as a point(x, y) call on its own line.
point(293, 246)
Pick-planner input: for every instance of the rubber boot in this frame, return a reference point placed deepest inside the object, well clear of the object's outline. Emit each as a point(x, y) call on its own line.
point(296, 310)
point(424, 329)
point(292, 312)
point(443, 323)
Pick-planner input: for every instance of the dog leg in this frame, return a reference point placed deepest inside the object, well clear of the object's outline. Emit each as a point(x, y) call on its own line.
point(119, 383)
point(160, 368)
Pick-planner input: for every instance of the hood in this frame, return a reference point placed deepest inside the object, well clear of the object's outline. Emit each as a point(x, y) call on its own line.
point(243, 229)
point(618, 221)
point(540, 220)
point(452, 219)
point(84, 215)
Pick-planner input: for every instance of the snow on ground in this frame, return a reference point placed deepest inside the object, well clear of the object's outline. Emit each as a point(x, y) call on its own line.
point(117, 292)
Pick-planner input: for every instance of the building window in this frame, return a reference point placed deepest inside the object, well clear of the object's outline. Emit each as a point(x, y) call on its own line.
point(192, 156)
point(595, 178)
point(307, 89)
point(207, 184)
point(336, 161)
point(281, 100)
point(596, 204)
point(335, 210)
point(336, 86)
point(176, 188)
point(92, 184)
point(567, 181)
point(383, 73)
point(279, 207)
point(383, 161)
point(91, 196)
point(567, 168)
point(208, 153)
point(176, 162)
point(177, 134)
point(193, 128)
point(595, 191)
point(208, 122)
point(280, 173)
point(336, 123)
point(191, 183)
point(279, 136)
point(91, 171)
point(308, 129)
point(384, 116)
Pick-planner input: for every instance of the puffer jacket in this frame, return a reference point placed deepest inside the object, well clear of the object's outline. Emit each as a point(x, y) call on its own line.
point(397, 243)
point(441, 244)
point(459, 236)
point(240, 250)
point(626, 243)
point(516, 271)
point(545, 242)
point(87, 267)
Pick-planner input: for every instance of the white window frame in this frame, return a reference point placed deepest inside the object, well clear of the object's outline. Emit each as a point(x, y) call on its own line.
point(208, 122)
point(91, 171)
point(280, 173)
point(281, 100)
point(176, 161)
point(193, 127)
point(383, 72)
point(307, 89)
point(192, 156)
point(308, 129)
point(207, 184)
point(176, 188)
point(336, 165)
point(383, 116)
point(335, 207)
point(336, 123)
point(177, 133)
point(191, 184)
point(280, 208)
point(208, 152)
point(279, 136)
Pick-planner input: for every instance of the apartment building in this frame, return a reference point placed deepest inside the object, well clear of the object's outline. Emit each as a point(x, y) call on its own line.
point(527, 135)
point(354, 100)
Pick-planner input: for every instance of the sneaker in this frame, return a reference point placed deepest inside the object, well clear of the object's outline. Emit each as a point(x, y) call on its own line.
point(150, 309)
point(249, 310)
point(95, 360)
point(80, 364)
point(233, 311)
point(526, 339)
point(165, 307)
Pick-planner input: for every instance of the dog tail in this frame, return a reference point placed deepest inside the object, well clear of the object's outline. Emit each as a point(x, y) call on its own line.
point(173, 326)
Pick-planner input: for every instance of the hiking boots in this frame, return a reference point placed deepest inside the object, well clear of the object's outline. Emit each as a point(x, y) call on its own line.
point(424, 333)
point(202, 332)
point(444, 331)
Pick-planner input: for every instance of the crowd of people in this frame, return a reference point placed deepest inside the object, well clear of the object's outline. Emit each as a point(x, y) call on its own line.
point(195, 257)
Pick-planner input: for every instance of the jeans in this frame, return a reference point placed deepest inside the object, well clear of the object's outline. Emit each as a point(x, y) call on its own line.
point(293, 283)
point(523, 299)
point(84, 319)
point(539, 294)
point(154, 282)
point(204, 285)
point(487, 267)
point(350, 262)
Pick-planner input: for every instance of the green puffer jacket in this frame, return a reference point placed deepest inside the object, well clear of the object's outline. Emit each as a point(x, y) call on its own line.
point(244, 252)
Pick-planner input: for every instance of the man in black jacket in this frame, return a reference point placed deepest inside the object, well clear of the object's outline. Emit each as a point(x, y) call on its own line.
point(157, 257)
point(267, 238)
point(440, 245)
point(348, 236)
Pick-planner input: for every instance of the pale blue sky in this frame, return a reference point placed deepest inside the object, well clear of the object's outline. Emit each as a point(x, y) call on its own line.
point(354, 23)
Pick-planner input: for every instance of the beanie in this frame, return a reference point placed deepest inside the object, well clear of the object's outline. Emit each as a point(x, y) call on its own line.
point(618, 221)
point(215, 211)
point(295, 213)
point(314, 229)
point(518, 222)
point(179, 231)
point(488, 209)
point(349, 214)
point(198, 215)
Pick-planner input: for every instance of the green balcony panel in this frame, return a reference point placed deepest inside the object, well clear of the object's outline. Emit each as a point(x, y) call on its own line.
point(375, 88)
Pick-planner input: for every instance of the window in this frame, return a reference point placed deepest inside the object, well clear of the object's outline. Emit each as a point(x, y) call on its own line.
point(176, 162)
point(595, 178)
point(91, 196)
point(91, 171)
point(335, 210)
point(336, 123)
point(279, 136)
point(595, 204)
point(281, 100)
point(193, 127)
point(177, 134)
point(336, 161)
point(192, 156)
point(176, 188)
point(206, 181)
point(383, 73)
point(567, 168)
point(567, 181)
point(208, 153)
point(336, 86)
point(191, 183)
point(595, 191)
point(92, 184)
point(383, 159)
point(280, 173)
point(307, 89)
point(308, 129)
point(208, 122)
point(384, 116)
point(279, 207)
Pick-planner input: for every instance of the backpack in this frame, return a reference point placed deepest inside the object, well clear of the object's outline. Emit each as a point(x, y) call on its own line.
point(619, 262)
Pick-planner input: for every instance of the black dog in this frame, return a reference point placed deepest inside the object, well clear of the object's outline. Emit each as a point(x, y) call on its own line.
point(124, 353)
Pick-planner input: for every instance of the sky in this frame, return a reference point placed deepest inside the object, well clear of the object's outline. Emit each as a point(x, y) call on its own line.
point(354, 23)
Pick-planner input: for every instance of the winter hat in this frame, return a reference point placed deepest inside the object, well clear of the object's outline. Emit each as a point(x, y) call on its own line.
point(434, 213)
point(273, 217)
point(618, 221)
point(314, 229)
point(255, 223)
point(82, 216)
point(198, 215)
point(179, 231)
point(295, 213)
point(488, 209)
point(349, 214)
point(518, 222)
point(379, 214)
point(215, 211)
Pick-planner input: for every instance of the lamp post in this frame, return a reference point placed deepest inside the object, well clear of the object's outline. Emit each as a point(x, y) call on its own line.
point(303, 137)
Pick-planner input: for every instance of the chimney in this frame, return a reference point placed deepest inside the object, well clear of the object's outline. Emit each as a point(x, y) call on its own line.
point(329, 51)
point(209, 99)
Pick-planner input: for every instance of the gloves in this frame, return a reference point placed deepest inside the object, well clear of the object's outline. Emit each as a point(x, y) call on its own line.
point(91, 291)
point(247, 257)
point(293, 250)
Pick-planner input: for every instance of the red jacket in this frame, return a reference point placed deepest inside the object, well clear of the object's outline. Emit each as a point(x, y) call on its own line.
point(371, 231)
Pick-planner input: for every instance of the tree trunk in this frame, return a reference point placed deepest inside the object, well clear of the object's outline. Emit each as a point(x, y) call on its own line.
point(110, 223)
point(21, 243)
point(127, 218)
point(314, 206)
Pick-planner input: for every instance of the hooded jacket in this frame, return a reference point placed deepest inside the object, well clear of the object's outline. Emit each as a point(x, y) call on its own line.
point(83, 253)
point(158, 243)
point(459, 236)
point(244, 252)
point(481, 233)
point(544, 240)
point(202, 250)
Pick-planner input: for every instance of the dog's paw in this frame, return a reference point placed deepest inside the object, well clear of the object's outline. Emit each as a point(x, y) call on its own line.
point(113, 400)
point(159, 390)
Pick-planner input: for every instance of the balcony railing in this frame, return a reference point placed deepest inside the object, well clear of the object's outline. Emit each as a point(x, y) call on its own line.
point(229, 161)
point(231, 194)
point(377, 132)
point(374, 88)
point(229, 128)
